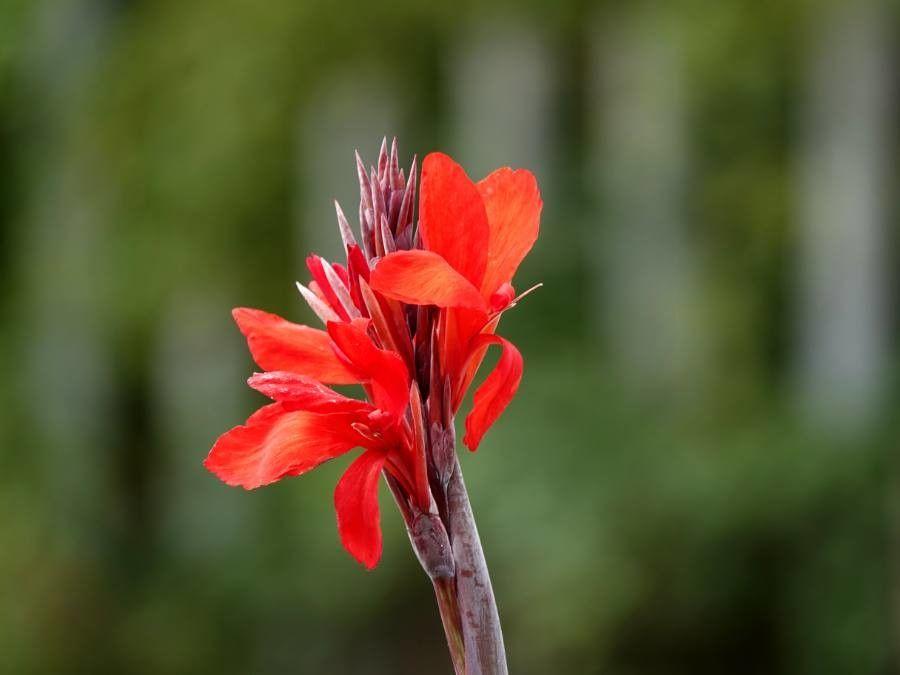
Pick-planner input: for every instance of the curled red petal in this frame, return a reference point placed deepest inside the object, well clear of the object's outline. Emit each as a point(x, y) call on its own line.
point(298, 392)
point(452, 217)
point(383, 369)
point(274, 443)
point(278, 344)
point(496, 391)
point(513, 204)
point(424, 278)
point(356, 505)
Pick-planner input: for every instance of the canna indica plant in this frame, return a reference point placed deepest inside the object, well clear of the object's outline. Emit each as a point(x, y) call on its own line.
point(409, 317)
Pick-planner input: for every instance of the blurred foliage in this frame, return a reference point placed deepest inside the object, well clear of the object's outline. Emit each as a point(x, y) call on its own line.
point(149, 156)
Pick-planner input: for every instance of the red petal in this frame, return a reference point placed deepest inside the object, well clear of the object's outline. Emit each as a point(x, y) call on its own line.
point(342, 273)
point(452, 218)
point(275, 443)
point(277, 344)
point(356, 504)
point(424, 278)
point(460, 327)
point(384, 369)
point(356, 261)
point(513, 204)
point(496, 392)
point(357, 268)
point(298, 392)
point(388, 320)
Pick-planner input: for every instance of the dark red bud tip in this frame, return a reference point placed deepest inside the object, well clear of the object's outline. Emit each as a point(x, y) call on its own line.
point(432, 546)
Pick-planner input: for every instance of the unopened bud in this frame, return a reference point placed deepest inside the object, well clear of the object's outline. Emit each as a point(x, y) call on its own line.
point(432, 546)
point(443, 451)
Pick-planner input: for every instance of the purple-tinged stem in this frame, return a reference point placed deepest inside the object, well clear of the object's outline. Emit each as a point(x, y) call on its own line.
point(448, 605)
point(482, 636)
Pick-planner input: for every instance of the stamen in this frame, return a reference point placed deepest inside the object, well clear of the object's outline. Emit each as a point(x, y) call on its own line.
point(364, 431)
point(524, 293)
point(515, 301)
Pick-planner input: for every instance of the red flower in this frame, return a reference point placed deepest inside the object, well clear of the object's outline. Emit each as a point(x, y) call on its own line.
point(474, 236)
point(413, 362)
point(308, 423)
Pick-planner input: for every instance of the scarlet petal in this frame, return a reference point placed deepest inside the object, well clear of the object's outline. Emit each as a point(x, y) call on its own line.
point(496, 392)
point(356, 260)
point(424, 278)
point(277, 344)
point(469, 358)
point(452, 217)
point(383, 369)
point(356, 504)
point(357, 268)
point(513, 204)
point(275, 443)
point(342, 273)
point(298, 392)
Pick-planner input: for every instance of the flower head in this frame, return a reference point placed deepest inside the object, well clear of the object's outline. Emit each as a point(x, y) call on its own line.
point(409, 317)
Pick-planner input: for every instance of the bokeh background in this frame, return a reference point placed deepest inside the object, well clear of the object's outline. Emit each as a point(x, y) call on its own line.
point(699, 473)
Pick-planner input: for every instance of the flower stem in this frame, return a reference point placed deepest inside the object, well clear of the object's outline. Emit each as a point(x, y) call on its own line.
point(482, 636)
point(445, 592)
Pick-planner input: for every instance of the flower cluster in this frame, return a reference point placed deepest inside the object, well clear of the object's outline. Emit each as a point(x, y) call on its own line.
point(409, 317)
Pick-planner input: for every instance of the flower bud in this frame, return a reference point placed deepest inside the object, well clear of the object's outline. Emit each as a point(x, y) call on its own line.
point(443, 451)
point(432, 546)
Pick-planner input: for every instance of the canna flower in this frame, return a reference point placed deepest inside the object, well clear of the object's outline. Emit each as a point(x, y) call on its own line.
point(308, 423)
point(474, 236)
point(408, 318)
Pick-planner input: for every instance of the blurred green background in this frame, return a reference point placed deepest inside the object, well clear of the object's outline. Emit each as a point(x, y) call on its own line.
point(698, 474)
